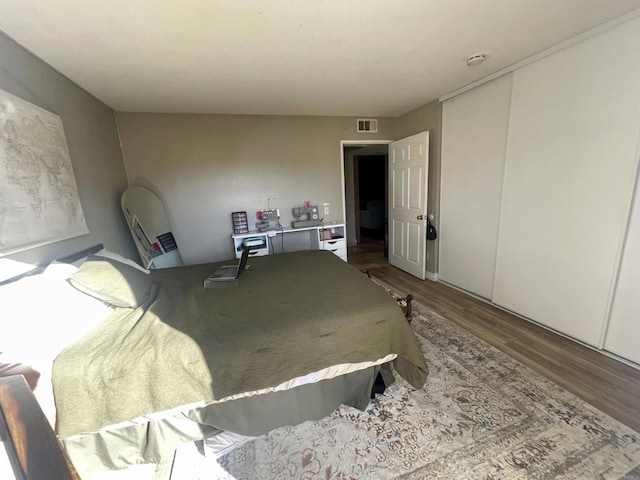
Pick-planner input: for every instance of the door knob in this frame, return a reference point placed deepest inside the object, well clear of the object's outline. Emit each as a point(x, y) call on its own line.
point(420, 217)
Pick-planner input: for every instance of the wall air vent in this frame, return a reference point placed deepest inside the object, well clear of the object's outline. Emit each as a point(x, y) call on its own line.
point(367, 125)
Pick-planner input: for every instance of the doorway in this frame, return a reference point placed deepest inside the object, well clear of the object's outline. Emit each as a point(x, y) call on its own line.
point(371, 202)
point(366, 185)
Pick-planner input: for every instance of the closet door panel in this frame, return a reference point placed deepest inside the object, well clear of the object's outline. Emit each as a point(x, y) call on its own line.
point(474, 136)
point(623, 334)
point(571, 158)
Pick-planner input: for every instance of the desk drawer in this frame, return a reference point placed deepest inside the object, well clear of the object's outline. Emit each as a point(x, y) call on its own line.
point(340, 252)
point(333, 244)
point(259, 252)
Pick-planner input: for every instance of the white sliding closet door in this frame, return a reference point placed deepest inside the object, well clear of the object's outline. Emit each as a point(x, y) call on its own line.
point(623, 334)
point(474, 137)
point(571, 159)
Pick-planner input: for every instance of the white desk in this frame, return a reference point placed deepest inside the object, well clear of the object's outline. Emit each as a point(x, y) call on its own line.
point(324, 237)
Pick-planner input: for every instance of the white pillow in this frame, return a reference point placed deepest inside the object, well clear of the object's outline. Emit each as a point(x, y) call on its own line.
point(58, 271)
point(42, 314)
point(119, 258)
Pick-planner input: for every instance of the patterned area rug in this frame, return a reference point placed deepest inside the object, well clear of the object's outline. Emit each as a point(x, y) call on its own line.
point(481, 415)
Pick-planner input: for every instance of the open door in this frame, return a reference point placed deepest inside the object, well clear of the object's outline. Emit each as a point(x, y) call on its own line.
point(408, 188)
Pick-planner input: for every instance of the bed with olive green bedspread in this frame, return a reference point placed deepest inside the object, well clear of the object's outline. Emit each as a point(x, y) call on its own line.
point(168, 362)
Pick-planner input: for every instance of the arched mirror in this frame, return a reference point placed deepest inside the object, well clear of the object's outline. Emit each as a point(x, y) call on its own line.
point(150, 228)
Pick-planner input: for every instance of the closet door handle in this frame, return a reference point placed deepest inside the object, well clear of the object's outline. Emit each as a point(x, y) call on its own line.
point(420, 217)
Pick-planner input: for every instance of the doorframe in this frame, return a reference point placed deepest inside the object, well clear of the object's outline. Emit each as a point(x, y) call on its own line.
point(347, 143)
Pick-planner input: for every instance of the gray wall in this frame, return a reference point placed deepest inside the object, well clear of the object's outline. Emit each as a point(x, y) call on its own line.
point(204, 167)
point(427, 117)
point(92, 139)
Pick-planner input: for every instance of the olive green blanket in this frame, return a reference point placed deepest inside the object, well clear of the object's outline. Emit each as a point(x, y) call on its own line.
point(290, 315)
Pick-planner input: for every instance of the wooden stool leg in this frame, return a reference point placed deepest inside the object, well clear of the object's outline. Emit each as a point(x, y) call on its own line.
point(407, 314)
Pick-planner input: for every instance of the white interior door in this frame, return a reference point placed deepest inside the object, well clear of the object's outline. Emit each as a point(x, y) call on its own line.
point(408, 175)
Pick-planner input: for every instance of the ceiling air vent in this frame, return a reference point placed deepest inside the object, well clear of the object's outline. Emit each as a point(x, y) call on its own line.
point(367, 125)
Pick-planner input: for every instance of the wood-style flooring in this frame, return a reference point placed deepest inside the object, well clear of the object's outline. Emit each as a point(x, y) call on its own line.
point(604, 382)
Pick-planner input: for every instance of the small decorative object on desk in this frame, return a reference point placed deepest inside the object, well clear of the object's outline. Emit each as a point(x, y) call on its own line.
point(404, 301)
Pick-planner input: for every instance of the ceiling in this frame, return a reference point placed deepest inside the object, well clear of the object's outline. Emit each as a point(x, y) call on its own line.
point(289, 57)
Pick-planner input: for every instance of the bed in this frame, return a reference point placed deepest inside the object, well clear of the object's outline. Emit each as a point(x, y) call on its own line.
point(165, 361)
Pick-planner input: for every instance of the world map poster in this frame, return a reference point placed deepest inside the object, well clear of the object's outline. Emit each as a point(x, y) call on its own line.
point(39, 200)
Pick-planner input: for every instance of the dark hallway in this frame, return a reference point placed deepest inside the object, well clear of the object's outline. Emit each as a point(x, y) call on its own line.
point(372, 198)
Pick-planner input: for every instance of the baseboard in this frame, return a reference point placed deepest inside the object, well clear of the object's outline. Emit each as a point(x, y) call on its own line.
point(431, 276)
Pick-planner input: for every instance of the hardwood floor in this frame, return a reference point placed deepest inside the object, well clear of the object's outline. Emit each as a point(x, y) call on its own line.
point(604, 382)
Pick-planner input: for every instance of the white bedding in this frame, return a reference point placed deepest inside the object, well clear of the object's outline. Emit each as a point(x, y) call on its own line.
point(41, 315)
